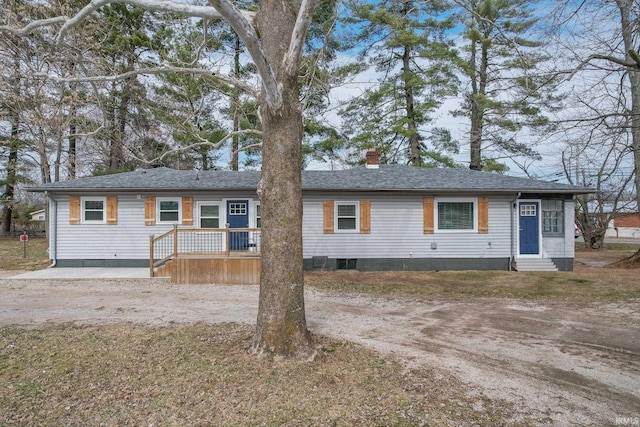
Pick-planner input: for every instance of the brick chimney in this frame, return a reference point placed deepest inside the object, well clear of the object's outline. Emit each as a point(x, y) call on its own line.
point(373, 159)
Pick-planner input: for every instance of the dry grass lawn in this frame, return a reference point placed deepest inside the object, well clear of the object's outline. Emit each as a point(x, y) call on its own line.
point(199, 375)
point(12, 254)
point(583, 285)
point(130, 375)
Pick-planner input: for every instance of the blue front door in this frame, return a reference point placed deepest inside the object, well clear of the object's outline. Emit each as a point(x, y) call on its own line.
point(529, 228)
point(238, 217)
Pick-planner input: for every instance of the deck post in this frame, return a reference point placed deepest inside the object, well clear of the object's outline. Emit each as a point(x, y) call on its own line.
point(175, 240)
point(228, 236)
point(151, 255)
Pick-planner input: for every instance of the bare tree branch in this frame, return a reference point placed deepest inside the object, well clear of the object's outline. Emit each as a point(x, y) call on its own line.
point(247, 33)
point(615, 60)
point(292, 58)
point(185, 9)
point(239, 20)
point(159, 70)
point(33, 25)
point(204, 142)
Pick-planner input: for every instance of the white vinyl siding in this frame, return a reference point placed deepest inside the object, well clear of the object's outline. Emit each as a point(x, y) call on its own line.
point(129, 239)
point(397, 231)
point(561, 245)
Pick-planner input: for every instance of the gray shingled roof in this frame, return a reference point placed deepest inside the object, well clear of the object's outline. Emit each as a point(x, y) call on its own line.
point(386, 178)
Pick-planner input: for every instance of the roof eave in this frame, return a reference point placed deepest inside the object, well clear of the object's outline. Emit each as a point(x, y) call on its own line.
point(337, 190)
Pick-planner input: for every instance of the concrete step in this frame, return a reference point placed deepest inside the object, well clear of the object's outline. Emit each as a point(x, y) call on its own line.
point(535, 264)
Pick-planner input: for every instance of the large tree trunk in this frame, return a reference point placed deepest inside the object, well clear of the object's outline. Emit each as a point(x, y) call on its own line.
point(476, 100)
point(630, 28)
point(479, 80)
point(415, 155)
point(116, 155)
point(281, 325)
point(12, 175)
point(12, 161)
point(235, 107)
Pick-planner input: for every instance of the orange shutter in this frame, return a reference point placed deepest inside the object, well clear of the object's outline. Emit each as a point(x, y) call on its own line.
point(328, 217)
point(483, 215)
point(187, 211)
point(427, 210)
point(149, 211)
point(74, 209)
point(112, 210)
point(365, 217)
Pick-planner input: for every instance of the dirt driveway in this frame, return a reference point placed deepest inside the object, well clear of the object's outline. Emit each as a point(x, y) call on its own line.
point(560, 364)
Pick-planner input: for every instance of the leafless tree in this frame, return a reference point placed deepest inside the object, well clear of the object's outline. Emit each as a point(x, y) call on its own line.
point(596, 157)
point(274, 37)
point(603, 38)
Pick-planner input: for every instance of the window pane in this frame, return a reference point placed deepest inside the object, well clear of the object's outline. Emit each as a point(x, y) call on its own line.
point(346, 210)
point(346, 223)
point(209, 223)
point(237, 208)
point(528, 210)
point(258, 217)
point(455, 215)
point(93, 215)
point(169, 216)
point(210, 211)
point(94, 204)
point(169, 205)
point(552, 217)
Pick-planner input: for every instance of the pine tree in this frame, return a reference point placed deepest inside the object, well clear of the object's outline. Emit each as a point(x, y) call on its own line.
point(407, 46)
point(507, 93)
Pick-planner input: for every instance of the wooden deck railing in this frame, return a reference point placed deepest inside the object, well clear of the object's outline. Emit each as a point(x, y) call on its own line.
point(203, 242)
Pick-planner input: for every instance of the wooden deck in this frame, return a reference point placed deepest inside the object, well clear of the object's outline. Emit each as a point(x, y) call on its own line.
point(186, 260)
point(239, 270)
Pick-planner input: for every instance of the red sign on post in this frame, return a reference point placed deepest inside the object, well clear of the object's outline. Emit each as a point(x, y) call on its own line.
point(24, 237)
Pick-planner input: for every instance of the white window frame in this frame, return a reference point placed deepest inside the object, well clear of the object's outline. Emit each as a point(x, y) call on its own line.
point(357, 216)
point(560, 222)
point(439, 200)
point(256, 207)
point(159, 200)
point(83, 209)
point(243, 203)
point(220, 212)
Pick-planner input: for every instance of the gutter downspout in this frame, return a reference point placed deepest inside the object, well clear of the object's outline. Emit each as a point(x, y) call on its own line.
point(514, 206)
point(53, 229)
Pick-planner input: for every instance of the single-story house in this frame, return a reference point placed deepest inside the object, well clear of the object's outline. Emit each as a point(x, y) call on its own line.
point(626, 224)
point(38, 215)
point(38, 222)
point(373, 217)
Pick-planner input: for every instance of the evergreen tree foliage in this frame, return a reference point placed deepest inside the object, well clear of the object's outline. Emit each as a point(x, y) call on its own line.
point(405, 43)
point(508, 92)
point(124, 43)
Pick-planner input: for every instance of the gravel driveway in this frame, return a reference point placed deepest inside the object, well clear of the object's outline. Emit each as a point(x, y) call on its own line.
point(561, 364)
